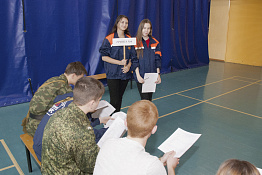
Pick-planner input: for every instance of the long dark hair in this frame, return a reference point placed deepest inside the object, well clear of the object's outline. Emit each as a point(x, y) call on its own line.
point(139, 36)
point(114, 29)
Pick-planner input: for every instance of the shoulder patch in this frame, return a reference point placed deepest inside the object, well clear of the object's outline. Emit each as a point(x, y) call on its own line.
point(155, 40)
point(110, 38)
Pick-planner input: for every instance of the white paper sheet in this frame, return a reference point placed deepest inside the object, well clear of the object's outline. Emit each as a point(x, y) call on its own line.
point(116, 130)
point(180, 141)
point(120, 114)
point(149, 85)
point(260, 170)
point(104, 109)
point(102, 104)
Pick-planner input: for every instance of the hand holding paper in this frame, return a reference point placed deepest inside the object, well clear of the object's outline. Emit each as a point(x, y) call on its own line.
point(104, 109)
point(149, 84)
point(158, 81)
point(120, 114)
point(117, 128)
point(104, 120)
point(180, 141)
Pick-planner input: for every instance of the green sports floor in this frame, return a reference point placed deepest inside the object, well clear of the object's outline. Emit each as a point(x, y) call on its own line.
point(222, 101)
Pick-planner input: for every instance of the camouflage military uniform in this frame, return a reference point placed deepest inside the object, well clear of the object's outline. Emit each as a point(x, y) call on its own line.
point(44, 97)
point(69, 145)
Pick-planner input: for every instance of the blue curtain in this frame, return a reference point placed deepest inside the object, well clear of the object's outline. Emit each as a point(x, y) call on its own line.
point(60, 32)
point(52, 38)
point(181, 26)
point(14, 64)
point(96, 19)
point(190, 33)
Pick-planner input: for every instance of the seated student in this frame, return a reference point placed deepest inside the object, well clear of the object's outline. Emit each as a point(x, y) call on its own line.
point(44, 97)
point(236, 167)
point(127, 155)
point(37, 146)
point(69, 145)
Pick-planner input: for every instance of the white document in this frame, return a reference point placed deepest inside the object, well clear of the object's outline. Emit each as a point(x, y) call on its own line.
point(104, 109)
point(102, 104)
point(149, 85)
point(116, 130)
point(180, 141)
point(260, 170)
point(120, 114)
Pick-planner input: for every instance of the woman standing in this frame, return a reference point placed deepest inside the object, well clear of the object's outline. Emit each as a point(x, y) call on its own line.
point(149, 56)
point(117, 68)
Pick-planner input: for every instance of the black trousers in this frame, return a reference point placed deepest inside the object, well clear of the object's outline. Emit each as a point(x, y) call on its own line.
point(116, 88)
point(144, 96)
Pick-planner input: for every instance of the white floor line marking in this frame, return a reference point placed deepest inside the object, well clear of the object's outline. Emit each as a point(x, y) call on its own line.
point(12, 158)
point(8, 167)
point(187, 90)
point(246, 81)
point(249, 78)
point(193, 88)
point(222, 106)
point(206, 101)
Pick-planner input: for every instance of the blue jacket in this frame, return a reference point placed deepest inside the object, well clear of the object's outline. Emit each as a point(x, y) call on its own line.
point(114, 71)
point(40, 129)
point(151, 59)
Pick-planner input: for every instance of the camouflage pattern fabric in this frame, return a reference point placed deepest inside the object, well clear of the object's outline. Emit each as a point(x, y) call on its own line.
point(31, 126)
point(44, 97)
point(69, 145)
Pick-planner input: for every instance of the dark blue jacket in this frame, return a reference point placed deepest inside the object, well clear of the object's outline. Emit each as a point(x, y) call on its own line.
point(114, 71)
point(40, 129)
point(151, 59)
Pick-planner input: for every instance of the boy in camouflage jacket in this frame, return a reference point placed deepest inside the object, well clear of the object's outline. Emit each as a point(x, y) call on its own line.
point(44, 97)
point(69, 145)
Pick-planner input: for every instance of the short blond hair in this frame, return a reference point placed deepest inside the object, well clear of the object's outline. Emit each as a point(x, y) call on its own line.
point(236, 167)
point(142, 116)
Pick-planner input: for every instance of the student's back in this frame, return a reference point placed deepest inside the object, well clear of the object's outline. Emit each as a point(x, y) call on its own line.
point(37, 146)
point(128, 155)
point(69, 145)
point(125, 156)
point(67, 137)
point(43, 98)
